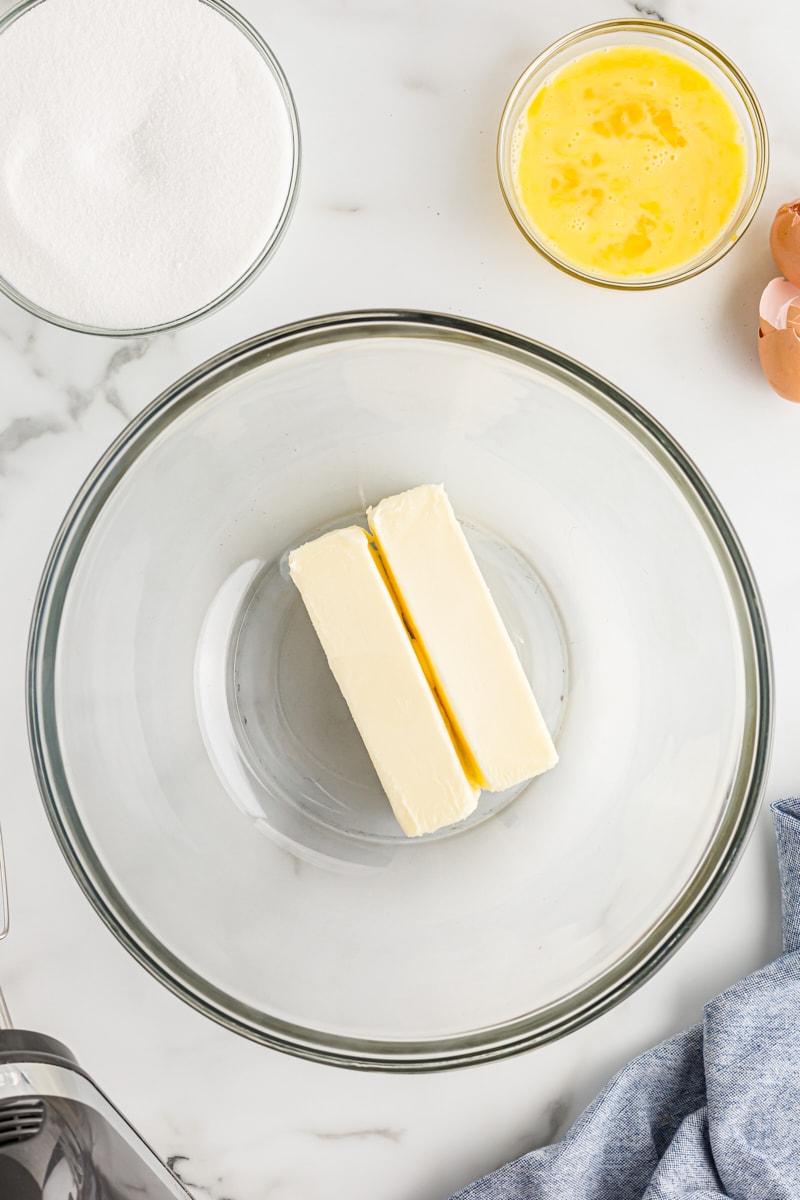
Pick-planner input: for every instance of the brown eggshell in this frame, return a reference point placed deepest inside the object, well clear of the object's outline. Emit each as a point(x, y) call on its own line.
point(779, 352)
point(784, 240)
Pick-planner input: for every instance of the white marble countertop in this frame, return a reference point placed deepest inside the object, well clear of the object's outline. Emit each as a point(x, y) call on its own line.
point(399, 102)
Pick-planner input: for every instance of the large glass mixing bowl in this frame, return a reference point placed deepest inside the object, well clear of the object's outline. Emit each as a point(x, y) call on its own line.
point(204, 778)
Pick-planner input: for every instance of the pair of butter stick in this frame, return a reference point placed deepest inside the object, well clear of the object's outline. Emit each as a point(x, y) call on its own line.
point(419, 651)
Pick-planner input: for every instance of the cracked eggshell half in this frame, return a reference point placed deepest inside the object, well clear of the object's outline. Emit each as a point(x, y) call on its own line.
point(778, 337)
point(784, 240)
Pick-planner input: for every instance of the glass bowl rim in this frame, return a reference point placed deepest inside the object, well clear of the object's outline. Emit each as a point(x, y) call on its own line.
point(274, 239)
point(530, 1030)
point(577, 38)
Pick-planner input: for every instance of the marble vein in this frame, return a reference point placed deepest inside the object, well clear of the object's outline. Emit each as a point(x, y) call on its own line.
point(28, 354)
point(22, 430)
point(172, 1163)
point(555, 1115)
point(646, 10)
point(389, 1135)
point(424, 86)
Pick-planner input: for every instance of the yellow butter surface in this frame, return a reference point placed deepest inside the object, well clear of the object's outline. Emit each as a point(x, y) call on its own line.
point(470, 657)
point(374, 662)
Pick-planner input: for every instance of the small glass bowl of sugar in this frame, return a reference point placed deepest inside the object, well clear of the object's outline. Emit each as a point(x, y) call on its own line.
point(149, 160)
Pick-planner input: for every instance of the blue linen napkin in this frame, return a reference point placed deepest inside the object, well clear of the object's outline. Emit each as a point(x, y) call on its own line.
point(712, 1114)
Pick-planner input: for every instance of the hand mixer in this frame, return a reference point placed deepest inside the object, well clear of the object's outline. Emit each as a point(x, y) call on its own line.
point(60, 1137)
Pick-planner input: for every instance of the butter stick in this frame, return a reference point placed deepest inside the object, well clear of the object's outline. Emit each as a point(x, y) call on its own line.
point(473, 664)
point(374, 663)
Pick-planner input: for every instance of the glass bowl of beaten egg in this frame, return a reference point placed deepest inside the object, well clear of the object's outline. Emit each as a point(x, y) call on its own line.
point(632, 154)
point(209, 788)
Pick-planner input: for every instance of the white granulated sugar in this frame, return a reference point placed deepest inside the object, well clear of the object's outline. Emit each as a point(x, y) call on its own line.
point(145, 158)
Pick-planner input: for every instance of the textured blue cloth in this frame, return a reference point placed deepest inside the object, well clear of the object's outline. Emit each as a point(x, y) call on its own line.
point(713, 1114)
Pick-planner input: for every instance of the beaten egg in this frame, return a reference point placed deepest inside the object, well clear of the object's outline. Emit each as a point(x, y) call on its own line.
point(628, 162)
